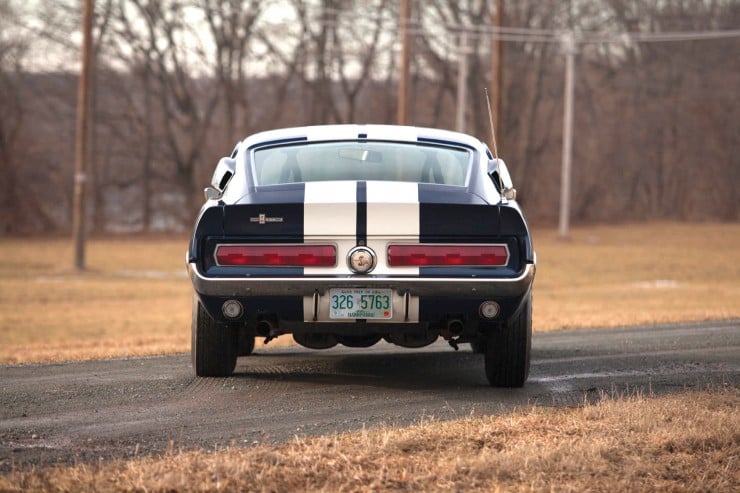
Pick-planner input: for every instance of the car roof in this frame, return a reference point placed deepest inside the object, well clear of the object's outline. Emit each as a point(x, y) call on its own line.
point(396, 133)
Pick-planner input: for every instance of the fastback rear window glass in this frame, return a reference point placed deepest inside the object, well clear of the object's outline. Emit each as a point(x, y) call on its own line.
point(386, 161)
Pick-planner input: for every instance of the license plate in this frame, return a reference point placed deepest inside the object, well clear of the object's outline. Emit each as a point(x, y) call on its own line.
point(361, 303)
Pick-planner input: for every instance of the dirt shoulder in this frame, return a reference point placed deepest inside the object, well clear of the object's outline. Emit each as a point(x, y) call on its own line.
point(80, 412)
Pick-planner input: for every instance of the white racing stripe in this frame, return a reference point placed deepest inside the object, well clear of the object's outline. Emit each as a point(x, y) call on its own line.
point(330, 208)
point(392, 215)
point(329, 215)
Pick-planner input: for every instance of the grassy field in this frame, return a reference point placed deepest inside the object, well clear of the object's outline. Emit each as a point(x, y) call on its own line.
point(674, 443)
point(135, 298)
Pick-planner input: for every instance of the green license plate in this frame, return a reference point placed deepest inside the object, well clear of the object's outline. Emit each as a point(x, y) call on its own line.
point(361, 303)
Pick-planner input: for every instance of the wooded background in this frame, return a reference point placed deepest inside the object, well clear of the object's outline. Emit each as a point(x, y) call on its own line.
point(179, 82)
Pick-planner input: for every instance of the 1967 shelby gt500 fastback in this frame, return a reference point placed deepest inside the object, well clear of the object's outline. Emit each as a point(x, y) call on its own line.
point(349, 234)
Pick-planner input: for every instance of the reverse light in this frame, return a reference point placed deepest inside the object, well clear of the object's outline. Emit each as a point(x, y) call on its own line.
point(276, 255)
point(232, 309)
point(489, 309)
point(429, 255)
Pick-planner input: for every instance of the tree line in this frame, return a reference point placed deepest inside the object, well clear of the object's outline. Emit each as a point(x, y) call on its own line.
point(179, 82)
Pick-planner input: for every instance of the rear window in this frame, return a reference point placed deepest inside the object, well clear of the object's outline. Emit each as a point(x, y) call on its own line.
point(354, 161)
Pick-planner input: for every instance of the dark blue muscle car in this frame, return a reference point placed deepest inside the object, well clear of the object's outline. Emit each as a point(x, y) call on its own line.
point(349, 234)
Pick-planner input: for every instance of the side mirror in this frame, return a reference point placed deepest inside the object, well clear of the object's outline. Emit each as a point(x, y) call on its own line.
point(500, 176)
point(212, 194)
point(225, 169)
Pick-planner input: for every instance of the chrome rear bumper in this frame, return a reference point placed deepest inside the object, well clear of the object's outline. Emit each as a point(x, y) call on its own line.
point(470, 287)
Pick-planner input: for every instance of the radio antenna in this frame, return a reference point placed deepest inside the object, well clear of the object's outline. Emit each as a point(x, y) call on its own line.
point(495, 150)
point(490, 119)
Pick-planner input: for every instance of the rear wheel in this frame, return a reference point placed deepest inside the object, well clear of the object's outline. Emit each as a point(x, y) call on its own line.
point(478, 345)
point(213, 345)
point(246, 342)
point(507, 349)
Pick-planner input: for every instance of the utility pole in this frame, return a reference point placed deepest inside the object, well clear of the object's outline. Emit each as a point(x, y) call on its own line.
point(82, 142)
point(569, 47)
point(497, 79)
point(403, 78)
point(462, 81)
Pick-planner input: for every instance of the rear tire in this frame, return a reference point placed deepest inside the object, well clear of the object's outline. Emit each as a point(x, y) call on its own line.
point(246, 342)
point(508, 348)
point(213, 345)
point(479, 345)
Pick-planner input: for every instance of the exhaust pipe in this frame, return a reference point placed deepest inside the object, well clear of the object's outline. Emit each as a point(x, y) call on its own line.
point(455, 326)
point(264, 328)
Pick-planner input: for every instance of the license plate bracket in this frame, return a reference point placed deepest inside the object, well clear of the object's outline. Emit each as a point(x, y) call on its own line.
point(360, 303)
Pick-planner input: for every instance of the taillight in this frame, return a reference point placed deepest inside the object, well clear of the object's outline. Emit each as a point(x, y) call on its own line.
point(277, 255)
point(447, 255)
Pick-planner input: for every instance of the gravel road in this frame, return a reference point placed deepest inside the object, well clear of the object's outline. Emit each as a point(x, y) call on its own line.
point(72, 412)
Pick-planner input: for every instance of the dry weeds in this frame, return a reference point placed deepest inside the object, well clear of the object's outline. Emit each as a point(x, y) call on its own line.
point(135, 297)
point(675, 443)
point(650, 273)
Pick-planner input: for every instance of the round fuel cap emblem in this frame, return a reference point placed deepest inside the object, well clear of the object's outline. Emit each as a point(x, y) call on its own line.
point(361, 260)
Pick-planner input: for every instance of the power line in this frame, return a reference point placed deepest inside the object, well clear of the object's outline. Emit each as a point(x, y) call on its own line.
point(526, 34)
point(536, 34)
point(662, 37)
point(555, 36)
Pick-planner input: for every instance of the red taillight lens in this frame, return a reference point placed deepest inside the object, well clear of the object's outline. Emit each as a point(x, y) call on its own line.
point(447, 255)
point(277, 255)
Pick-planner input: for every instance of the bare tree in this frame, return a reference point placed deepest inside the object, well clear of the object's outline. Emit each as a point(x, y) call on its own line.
point(232, 25)
point(187, 102)
point(318, 40)
point(20, 208)
point(357, 47)
point(181, 80)
point(11, 53)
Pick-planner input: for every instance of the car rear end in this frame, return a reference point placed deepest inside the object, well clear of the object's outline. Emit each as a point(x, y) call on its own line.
point(407, 253)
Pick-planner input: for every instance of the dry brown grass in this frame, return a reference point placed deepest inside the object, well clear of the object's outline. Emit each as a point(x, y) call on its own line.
point(675, 443)
point(135, 298)
point(611, 276)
